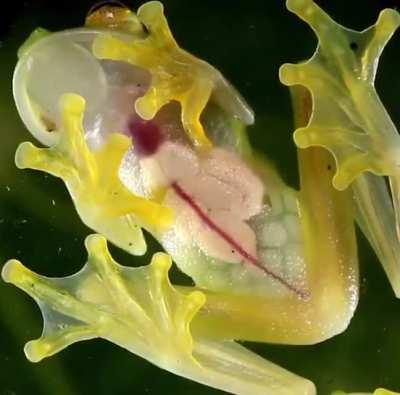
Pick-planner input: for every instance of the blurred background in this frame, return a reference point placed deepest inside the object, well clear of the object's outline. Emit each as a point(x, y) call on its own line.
point(247, 40)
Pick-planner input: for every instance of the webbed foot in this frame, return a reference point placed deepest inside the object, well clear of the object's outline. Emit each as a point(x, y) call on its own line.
point(139, 309)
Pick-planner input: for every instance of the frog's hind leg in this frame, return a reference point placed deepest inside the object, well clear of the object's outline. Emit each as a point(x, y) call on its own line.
point(330, 264)
point(350, 121)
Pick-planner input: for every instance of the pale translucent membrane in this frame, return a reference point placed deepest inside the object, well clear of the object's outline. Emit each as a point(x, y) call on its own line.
point(376, 218)
point(280, 243)
point(63, 63)
point(125, 84)
point(228, 98)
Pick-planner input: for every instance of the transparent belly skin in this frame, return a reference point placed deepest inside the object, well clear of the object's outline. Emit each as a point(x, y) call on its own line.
point(146, 136)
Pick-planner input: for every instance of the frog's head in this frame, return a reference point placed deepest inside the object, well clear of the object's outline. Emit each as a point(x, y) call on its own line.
point(52, 64)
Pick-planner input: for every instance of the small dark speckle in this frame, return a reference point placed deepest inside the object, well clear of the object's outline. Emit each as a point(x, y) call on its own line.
point(130, 244)
point(329, 167)
point(233, 251)
point(146, 29)
point(353, 46)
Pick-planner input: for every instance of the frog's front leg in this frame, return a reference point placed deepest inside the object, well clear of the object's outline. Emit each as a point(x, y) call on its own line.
point(105, 206)
point(182, 77)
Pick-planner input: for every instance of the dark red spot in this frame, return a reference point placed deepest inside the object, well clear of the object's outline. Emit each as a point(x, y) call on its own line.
point(146, 135)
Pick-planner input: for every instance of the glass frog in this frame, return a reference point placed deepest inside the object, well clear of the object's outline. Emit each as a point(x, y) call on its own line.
point(147, 136)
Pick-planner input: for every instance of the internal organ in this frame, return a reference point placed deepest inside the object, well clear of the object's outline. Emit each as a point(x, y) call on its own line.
point(219, 208)
point(212, 195)
point(146, 135)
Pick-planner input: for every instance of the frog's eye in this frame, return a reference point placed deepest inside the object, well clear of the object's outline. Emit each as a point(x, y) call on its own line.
point(63, 63)
point(113, 15)
point(101, 6)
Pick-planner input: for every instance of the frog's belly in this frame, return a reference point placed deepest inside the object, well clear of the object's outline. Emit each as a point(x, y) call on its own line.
point(220, 252)
point(223, 235)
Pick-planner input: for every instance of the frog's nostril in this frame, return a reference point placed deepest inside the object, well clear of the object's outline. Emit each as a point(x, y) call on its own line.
point(146, 135)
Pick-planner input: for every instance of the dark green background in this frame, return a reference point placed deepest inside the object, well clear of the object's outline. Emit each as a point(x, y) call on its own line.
point(247, 40)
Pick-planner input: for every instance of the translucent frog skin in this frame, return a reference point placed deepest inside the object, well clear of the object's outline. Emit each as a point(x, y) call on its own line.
point(145, 135)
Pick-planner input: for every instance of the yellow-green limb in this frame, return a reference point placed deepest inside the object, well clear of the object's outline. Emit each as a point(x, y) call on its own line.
point(176, 74)
point(102, 201)
point(349, 120)
point(139, 309)
point(327, 214)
